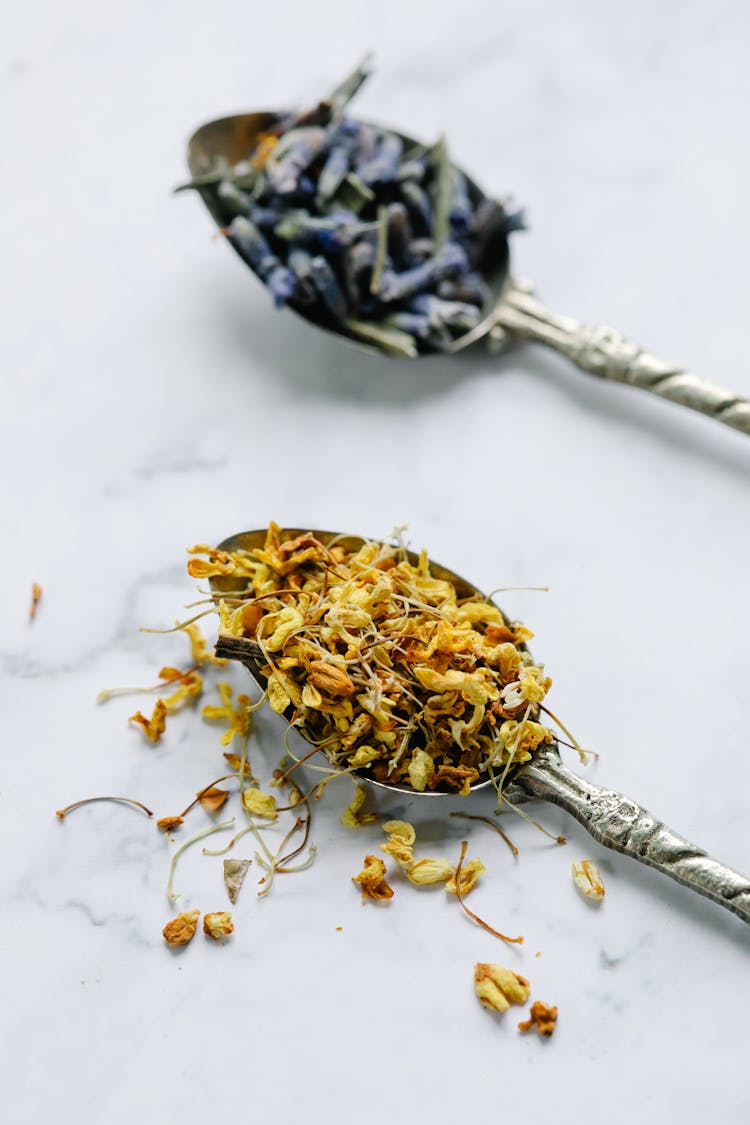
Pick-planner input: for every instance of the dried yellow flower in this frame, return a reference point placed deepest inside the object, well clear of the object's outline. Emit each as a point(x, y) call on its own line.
point(259, 804)
point(372, 879)
point(401, 829)
point(498, 988)
point(181, 929)
point(421, 769)
point(212, 798)
point(277, 695)
point(238, 718)
point(191, 685)
point(425, 871)
point(167, 823)
point(218, 925)
point(542, 1017)
point(329, 679)
point(198, 648)
point(353, 817)
point(470, 872)
point(36, 593)
point(587, 878)
point(154, 727)
point(394, 671)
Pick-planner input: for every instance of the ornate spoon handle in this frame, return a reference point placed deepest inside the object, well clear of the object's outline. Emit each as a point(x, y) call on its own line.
point(619, 823)
point(604, 352)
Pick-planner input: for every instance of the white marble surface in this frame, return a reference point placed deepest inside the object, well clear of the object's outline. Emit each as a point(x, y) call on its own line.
point(152, 399)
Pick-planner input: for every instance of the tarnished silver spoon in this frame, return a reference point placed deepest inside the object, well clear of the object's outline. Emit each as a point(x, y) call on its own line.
point(611, 818)
point(512, 312)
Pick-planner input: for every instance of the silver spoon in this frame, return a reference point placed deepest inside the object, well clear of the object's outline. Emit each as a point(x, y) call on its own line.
point(611, 818)
point(512, 313)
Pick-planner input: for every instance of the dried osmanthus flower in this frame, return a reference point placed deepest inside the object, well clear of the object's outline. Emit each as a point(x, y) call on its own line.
point(372, 879)
point(36, 594)
point(498, 988)
point(353, 816)
point(543, 1017)
point(182, 929)
point(237, 718)
point(588, 879)
point(393, 671)
point(218, 925)
point(427, 871)
point(400, 843)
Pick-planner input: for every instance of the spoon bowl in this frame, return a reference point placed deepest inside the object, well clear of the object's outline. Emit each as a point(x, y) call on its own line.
point(614, 820)
point(249, 653)
point(511, 313)
point(227, 142)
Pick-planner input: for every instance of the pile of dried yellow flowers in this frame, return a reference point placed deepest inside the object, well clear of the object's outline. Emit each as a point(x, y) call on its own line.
point(390, 669)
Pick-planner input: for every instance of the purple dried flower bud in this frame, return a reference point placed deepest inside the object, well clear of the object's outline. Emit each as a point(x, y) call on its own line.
point(327, 285)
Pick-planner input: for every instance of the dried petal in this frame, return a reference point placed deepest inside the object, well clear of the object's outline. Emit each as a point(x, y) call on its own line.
point(588, 879)
point(238, 718)
point(191, 685)
point(182, 929)
point(218, 925)
point(352, 816)
point(213, 798)
point(167, 823)
point(372, 879)
point(426, 871)
point(470, 872)
point(154, 727)
point(498, 988)
point(36, 593)
point(330, 679)
point(402, 829)
point(198, 648)
point(543, 1018)
point(234, 876)
point(259, 804)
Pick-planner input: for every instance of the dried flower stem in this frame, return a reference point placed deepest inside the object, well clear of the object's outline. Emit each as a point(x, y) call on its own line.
point(497, 828)
point(163, 685)
point(204, 790)
point(525, 816)
point(582, 754)
point(188, 843)
point(472, 915)
point(62, 813)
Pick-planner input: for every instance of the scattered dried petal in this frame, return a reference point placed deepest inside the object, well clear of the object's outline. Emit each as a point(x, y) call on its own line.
point(470, 872)
point(212, 798)
point(588, 879)
point(191, 685)
point(372, 879)
point(426, 871)
point(36, 593)
point(237, 718)
point(542, 1017)
point(400, 829)
point(167, 823)
point(199, 649)
point(154, 727)
point(182, 929)
point(498, 988)
point(234, 876)
point(218, 925)
point(353, 817)
point(259, 804)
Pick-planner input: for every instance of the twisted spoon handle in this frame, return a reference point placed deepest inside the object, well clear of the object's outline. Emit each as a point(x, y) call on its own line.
point(604, 352)
point(619, 823)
